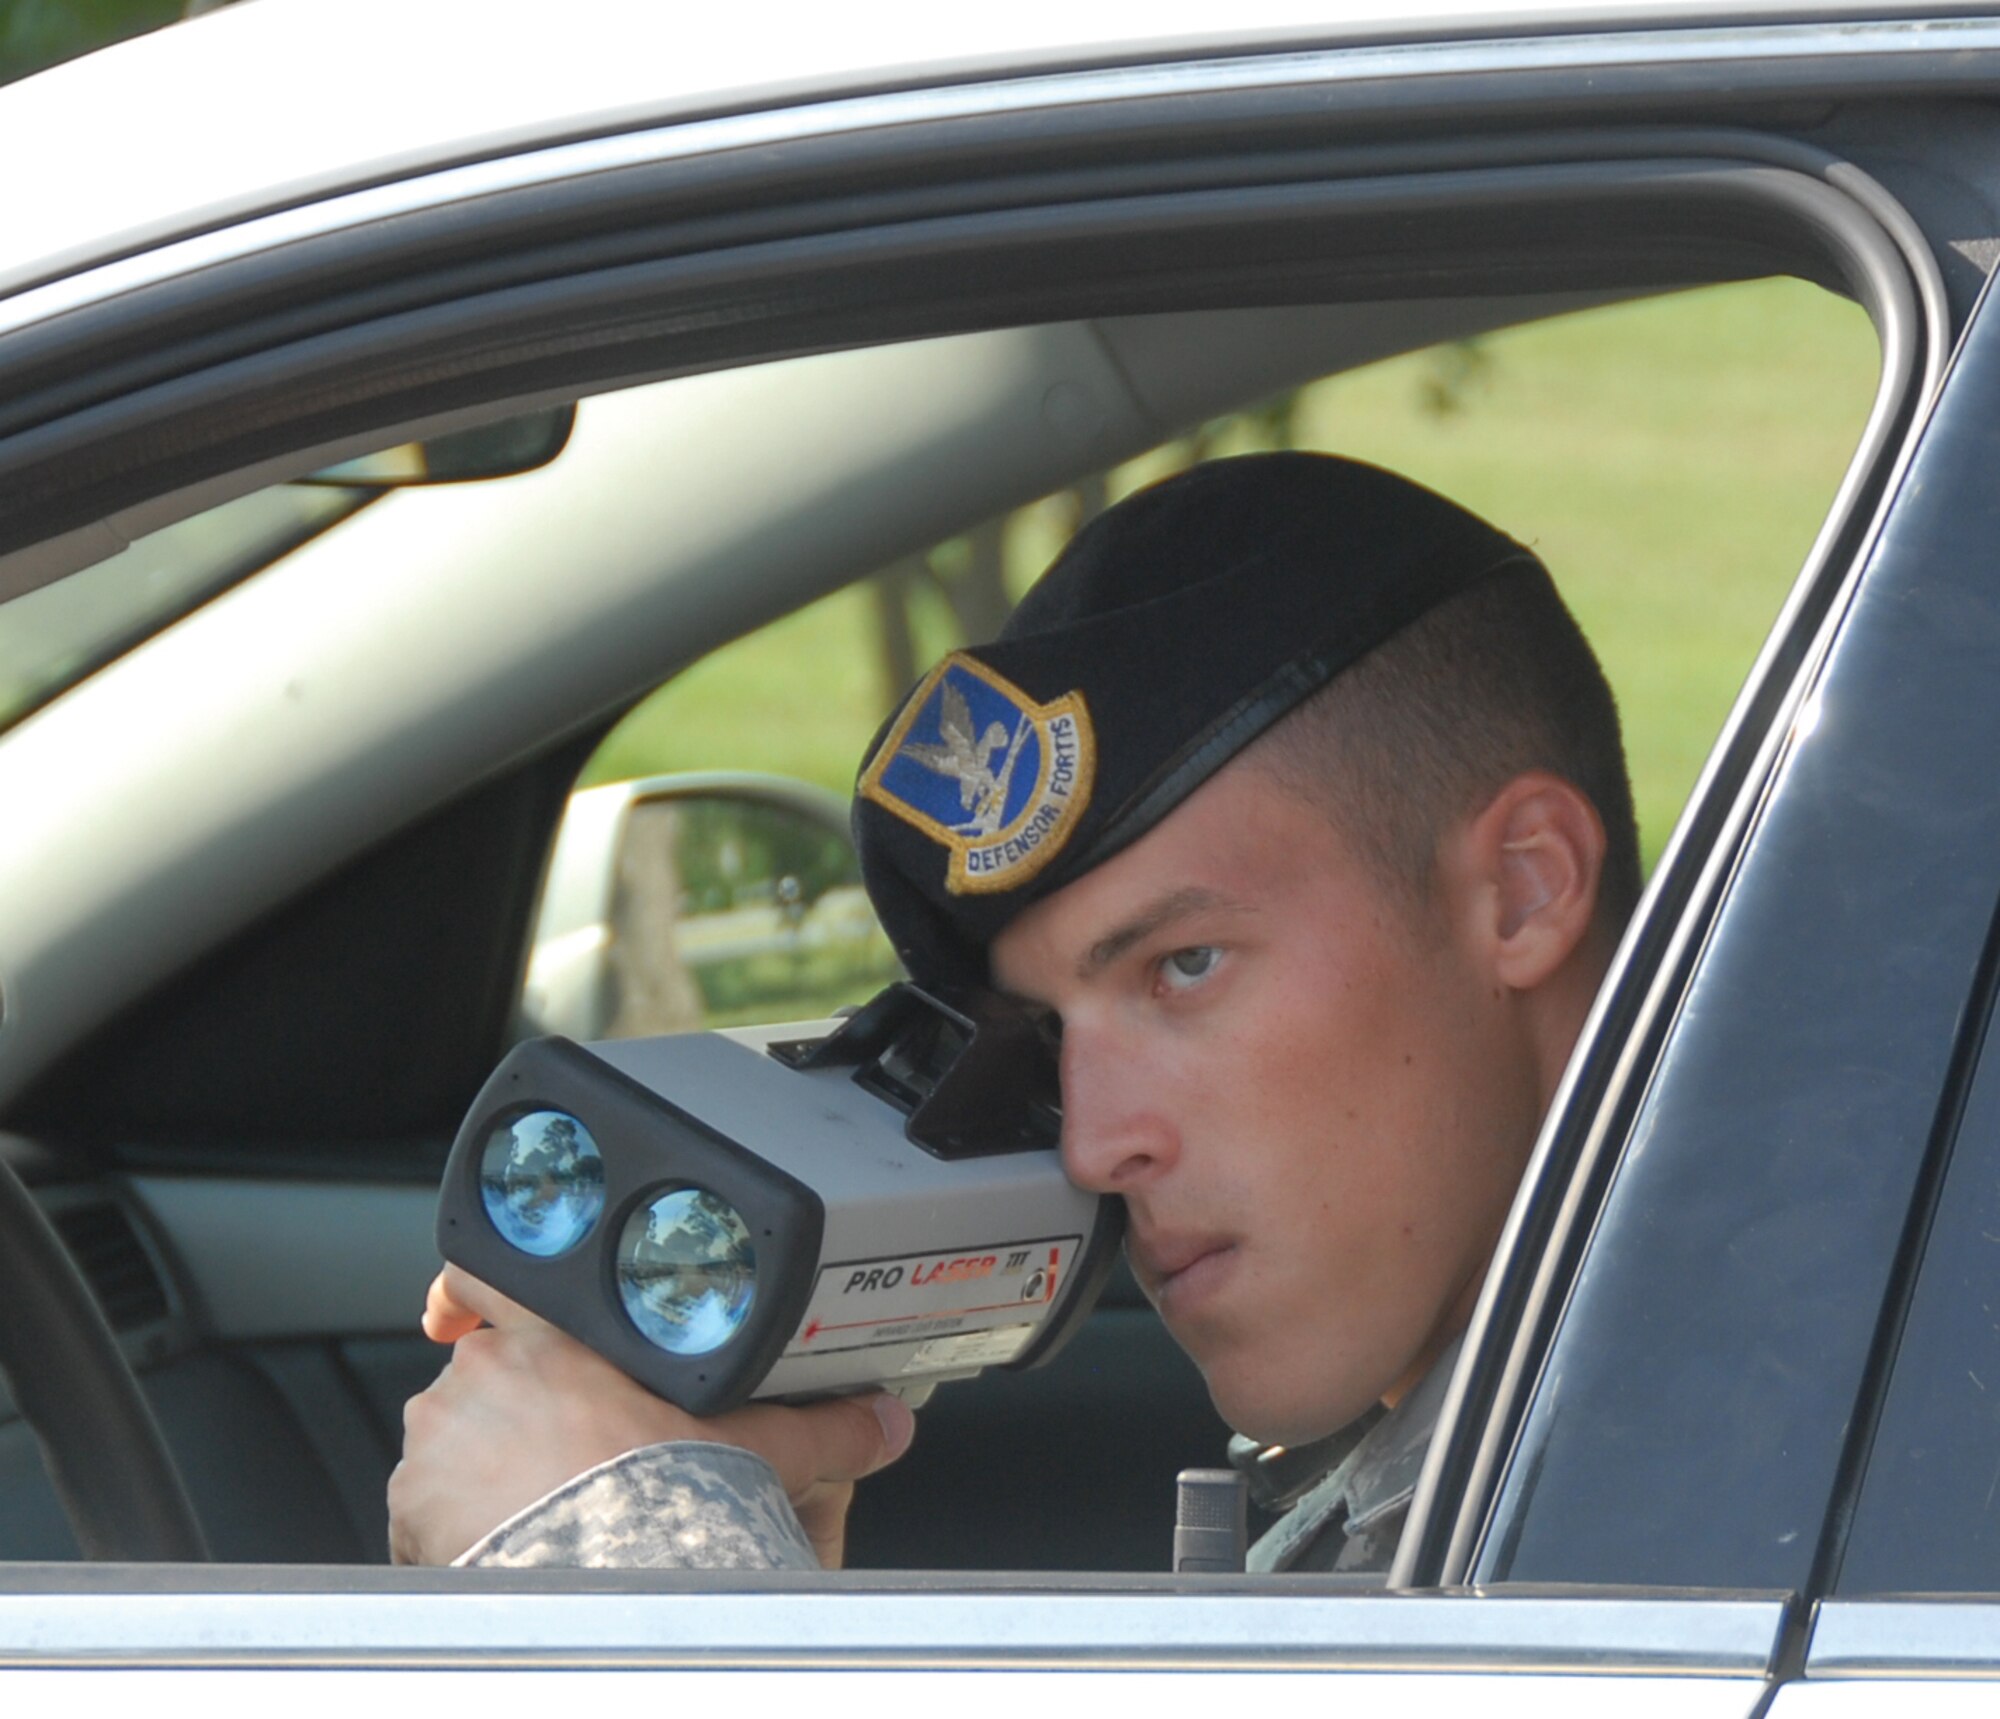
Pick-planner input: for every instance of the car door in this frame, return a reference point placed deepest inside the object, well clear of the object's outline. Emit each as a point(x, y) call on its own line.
point(1524, 1492)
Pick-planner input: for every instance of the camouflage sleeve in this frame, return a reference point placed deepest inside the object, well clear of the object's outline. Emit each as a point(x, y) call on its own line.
point(667, 1507)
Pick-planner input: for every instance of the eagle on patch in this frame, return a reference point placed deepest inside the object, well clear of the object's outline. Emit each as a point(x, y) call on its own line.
point(982, 790)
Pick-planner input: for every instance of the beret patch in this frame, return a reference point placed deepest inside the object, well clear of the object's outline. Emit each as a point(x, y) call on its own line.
point(996, 779)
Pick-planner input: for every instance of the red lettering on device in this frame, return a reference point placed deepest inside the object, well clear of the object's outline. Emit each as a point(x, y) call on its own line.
point(955, 1270)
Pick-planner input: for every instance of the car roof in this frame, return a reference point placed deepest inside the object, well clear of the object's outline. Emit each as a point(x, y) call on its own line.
point(261, 106)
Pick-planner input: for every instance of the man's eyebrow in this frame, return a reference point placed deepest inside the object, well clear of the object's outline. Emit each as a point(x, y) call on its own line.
point(1177, 904)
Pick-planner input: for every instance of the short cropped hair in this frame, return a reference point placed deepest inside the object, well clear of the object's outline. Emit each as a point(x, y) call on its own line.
point(1428, 726)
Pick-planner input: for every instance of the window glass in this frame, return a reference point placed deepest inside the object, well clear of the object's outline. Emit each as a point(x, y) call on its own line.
point(53, 636)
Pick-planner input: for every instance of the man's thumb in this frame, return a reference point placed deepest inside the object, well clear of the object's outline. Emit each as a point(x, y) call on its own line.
point(857, 1435)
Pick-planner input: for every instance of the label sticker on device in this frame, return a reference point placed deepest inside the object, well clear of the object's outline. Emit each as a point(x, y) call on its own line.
point(974, 1349)
point(919, 1298)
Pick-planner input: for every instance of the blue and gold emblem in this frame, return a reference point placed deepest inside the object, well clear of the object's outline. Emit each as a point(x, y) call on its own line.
point(982, 769)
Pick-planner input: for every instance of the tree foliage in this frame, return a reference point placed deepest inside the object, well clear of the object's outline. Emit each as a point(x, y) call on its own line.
point(36, 34)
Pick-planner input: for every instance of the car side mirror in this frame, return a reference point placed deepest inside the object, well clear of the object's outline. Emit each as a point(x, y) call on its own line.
point(701, 900)
point(506, 449)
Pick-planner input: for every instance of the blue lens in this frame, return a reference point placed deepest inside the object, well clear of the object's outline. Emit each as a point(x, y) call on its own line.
point(686, 1271)
point(542, 1180)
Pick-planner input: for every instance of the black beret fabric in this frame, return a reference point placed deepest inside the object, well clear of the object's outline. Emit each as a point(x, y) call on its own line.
point(1172, 631)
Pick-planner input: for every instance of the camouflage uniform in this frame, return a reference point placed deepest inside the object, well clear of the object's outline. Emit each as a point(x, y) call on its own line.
point(667, 1507)
point(1352, 1518)
point(714, 1507)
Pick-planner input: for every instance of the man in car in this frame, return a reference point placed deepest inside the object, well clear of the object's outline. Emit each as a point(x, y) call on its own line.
point(1295, 795)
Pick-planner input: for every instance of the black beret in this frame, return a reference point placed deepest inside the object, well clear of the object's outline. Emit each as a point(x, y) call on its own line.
point(1173, 630)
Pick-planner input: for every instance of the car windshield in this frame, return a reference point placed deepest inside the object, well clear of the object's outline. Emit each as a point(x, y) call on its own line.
point(52, 637)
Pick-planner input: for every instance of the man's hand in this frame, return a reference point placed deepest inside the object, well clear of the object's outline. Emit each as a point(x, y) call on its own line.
point(523, 1407)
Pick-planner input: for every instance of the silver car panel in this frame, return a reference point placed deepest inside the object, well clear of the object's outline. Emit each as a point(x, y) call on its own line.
point(854, 1622)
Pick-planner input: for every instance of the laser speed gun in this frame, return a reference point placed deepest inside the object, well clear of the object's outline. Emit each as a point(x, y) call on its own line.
point(787, 1212)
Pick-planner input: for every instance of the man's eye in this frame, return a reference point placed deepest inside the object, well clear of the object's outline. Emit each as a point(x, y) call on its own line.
point(1188, 967)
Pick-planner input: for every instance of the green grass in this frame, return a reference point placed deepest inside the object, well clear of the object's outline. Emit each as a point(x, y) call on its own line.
point(1671, 461)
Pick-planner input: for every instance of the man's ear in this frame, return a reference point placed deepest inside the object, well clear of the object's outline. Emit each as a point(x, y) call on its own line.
point(1537, 850)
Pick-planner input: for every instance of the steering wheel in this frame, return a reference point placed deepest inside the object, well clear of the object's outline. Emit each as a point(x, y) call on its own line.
point(103, 1449)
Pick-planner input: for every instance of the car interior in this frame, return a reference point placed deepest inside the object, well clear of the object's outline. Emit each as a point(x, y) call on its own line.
point(296, 943)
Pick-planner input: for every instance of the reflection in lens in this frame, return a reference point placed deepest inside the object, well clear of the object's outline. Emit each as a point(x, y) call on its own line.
point(542, 1181)
point(686, 1271)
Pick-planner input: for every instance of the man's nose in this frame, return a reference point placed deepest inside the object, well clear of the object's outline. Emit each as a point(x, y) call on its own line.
point(1116, 1135)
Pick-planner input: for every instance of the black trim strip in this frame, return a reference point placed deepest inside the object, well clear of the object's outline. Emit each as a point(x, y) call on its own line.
point(1643, 225)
